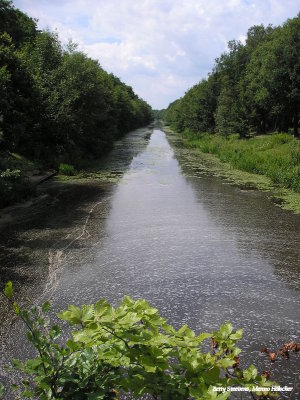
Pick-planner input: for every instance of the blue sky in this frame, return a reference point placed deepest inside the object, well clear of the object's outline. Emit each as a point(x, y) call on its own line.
point(159, 47)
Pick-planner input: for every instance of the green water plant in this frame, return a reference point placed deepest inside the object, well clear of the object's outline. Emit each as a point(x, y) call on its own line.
point(129, 349)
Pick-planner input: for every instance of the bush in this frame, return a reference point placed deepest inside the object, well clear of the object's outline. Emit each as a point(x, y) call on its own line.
point(14, 187)
point(66, 169)
point(129, 349)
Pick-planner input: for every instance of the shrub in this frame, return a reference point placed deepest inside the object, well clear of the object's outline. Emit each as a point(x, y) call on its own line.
point(129, 349)
point(67, 169)
point(14, 187)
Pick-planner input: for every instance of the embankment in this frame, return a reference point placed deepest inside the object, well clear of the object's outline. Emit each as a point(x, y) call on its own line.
point(269, 162)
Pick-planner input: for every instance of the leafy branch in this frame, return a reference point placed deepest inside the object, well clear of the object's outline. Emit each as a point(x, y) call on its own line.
point(130, 349)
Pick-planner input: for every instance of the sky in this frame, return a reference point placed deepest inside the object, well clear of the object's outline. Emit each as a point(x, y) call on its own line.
point(159, 47)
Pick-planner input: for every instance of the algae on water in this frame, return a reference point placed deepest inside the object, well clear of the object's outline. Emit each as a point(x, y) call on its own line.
point(196, 163)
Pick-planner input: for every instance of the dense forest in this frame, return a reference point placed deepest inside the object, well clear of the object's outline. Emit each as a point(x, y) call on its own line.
point(57, 105)
point(253, 87)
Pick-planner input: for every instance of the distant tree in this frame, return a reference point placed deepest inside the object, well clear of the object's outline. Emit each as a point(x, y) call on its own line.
point(158, 114)
point(173, 115)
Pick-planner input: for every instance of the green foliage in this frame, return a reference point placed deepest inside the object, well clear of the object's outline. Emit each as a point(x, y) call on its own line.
point(56, 103)
point(128, 349)
point(19, 100)
point(14, 187)
point(158, 114)
point(254, 87)
point(17, 24)
point(66, 169)
point(277, 156)
point(8, 291)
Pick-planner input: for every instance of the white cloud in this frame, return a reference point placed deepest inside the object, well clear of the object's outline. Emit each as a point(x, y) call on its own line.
point(161, 48)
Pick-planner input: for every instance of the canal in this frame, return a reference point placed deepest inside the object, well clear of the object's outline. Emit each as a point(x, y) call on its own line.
point(199, 249)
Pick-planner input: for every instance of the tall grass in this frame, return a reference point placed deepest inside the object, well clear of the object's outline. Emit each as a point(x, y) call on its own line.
point(277, 156)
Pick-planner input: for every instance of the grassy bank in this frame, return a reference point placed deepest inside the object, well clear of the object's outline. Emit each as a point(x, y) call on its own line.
point(276, 156)
point(269, 163)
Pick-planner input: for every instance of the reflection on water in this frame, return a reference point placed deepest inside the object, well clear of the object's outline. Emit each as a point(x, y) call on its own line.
point(201, 251)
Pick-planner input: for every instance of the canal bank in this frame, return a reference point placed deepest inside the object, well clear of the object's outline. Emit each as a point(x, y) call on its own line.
point(211, 164)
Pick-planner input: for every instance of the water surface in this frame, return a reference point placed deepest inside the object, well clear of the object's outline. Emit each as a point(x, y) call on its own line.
point(200, 250)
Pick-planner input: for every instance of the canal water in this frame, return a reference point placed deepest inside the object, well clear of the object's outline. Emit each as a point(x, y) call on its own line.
point(199, 249)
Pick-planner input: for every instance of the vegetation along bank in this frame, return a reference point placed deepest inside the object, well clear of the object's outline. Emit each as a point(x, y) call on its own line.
point(57, 105)
point(252, 93)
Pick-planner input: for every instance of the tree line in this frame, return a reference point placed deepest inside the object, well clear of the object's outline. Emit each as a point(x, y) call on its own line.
point(56, 103)
point(252, 88)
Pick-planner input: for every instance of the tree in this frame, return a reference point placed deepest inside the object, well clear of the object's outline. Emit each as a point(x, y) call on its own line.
point(253, 87)
point(19, 101)
point(289, 44)
point(231, 66)
point(20, 27)
point(58, 104)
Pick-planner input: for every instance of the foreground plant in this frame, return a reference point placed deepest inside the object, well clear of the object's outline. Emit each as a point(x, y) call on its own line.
point(129, 349)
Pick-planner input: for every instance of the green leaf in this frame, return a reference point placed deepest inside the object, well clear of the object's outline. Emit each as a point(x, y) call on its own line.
point(237, 335)
point(129, 319)
point(18, 364)
point(46, 307)
point(185, 332)
point(33, 364)
point(226, 363)
point(8, 291)
point(16, 308)
point(204, 336)
point(169, 329)
point(224, 396)
point(28, 394)
point(226, 330)
point(250, 373)
point(127, 300)
point(55, 332)
point(211, 376)
point(2, 391)
point(196, 392)
point(72, 315)
point(148, 364)
point(101, 307)
point(72, 345)
point(87, 313)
